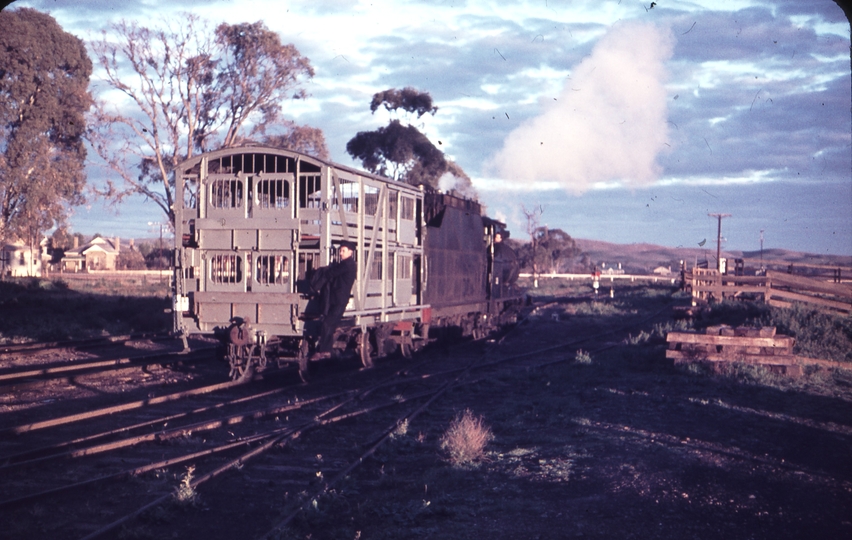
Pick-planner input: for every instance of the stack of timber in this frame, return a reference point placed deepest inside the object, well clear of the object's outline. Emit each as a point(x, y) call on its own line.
point(741, 344)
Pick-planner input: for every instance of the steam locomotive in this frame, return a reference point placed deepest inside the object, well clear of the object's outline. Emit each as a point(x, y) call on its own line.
point(253, 223)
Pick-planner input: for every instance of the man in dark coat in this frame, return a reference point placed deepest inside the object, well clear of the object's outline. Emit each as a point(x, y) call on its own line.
point(339, 276)
point(505, 264)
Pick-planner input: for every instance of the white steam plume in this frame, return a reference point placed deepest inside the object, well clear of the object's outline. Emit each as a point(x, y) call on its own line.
point(608, 124)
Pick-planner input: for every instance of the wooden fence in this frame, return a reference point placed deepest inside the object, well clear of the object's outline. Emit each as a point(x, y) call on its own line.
point(775, 288)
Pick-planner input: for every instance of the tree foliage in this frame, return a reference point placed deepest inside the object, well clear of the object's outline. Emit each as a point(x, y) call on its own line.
point(556, 249)
point(402, 152)
point(130, 259)
point(190, 90)
point(549, 250)
point(305, 139)
point(408, 99)
point(44, 78)
point(257, 73)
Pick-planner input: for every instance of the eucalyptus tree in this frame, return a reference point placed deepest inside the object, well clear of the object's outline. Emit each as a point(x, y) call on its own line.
point(44, 79)
point(556, 249)
point(180, 89)
point(398, 151)
point(401, 151)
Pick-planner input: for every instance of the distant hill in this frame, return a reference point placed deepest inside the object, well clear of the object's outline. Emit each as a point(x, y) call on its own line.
point(643, 258)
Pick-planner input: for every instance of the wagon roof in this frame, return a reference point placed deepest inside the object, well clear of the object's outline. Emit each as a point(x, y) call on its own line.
point(222, 152)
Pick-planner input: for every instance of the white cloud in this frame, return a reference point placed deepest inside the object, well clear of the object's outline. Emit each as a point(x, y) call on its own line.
point(745, 178)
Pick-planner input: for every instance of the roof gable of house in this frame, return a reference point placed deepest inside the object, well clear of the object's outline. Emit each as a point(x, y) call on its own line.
point(93, 249)
point(96, 244)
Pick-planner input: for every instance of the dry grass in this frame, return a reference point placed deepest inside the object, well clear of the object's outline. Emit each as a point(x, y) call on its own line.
point(185, 494)
point(582, 357)
point(466, 438)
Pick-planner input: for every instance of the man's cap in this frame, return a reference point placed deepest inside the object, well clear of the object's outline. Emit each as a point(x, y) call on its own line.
point(348, 244)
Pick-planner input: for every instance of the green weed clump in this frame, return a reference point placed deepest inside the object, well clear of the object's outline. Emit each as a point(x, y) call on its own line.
point(818, 334)
point(466, 438)
point(657, 335)
point(598, 309)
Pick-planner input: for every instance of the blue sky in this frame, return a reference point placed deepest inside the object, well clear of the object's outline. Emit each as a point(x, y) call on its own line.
point(622, 122)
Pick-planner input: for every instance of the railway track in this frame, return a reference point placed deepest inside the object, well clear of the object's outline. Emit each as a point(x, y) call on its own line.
point(17, 378)
point(39, 346)
point(116, 464)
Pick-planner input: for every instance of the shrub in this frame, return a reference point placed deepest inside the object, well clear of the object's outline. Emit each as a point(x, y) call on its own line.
point(818, 334)
point(465, 439)
point(185, 494)
point(583, 357)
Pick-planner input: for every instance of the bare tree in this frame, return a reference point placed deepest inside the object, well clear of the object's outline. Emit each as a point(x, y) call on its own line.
point(170, 91)
point(533, 218)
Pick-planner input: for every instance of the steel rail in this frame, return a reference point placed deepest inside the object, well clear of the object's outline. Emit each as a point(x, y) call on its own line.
point(280, 435)
point(451, 384)
point(275, 438)
point(363, 457)
point(32, 456)
point(79, 343)
point(33, 426)
point(166, 434)
point(25, 456)
point(55, 371)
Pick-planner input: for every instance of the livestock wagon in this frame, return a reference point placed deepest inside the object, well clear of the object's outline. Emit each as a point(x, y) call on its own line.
point(254, 222)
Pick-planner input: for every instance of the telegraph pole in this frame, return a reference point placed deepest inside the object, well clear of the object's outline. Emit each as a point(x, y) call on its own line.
point(719, 239)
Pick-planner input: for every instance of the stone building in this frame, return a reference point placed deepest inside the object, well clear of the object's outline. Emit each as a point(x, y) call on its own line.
point(97, 254)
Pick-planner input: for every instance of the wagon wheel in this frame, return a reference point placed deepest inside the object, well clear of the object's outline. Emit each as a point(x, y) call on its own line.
point(304, 352)
point(241, 359)
point(365, 349)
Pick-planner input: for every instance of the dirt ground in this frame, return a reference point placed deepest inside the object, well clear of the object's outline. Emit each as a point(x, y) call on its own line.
point(618, 443)
point(626, 446)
